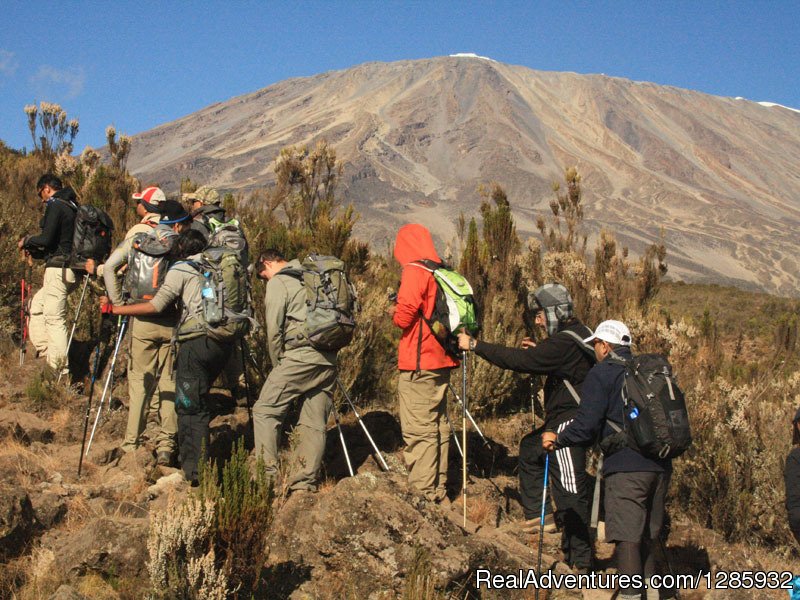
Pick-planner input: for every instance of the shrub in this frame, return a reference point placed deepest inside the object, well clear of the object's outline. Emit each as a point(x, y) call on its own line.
point(214, 544)
point(243, 515)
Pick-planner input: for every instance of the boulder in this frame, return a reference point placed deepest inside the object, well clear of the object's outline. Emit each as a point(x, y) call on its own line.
point(173, 482)
point(369, 527)
point(17, 520)
point(107, 546)
point(49, 509)
point(66, 592)
point(24, 427)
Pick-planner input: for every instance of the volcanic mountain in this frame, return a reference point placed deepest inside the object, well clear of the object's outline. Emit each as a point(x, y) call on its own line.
point(417, 138)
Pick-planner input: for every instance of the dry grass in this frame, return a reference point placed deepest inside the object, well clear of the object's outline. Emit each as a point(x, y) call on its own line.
point(42, 576)
point(31, 466)
point(95, 587)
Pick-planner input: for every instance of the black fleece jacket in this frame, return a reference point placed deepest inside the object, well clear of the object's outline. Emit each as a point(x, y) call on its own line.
point(791, 476)
point(54, 243)
point(559, 357)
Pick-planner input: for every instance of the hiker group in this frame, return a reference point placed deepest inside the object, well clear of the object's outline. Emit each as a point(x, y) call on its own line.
point(180, 284)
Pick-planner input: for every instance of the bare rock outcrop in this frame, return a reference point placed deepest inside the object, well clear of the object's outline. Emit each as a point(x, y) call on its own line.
point(368, 529)
point(108, 546)
point(66, 592)
point(17, 520)
point(24, 427)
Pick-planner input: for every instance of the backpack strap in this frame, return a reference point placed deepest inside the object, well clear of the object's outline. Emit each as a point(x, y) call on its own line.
point(430, 266)
point(581, 344)
point(616, 359)
point(572, 391)
point(69, 203)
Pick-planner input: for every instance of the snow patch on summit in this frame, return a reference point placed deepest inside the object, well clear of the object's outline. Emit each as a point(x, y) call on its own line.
point(771, 104)
point(471, 55)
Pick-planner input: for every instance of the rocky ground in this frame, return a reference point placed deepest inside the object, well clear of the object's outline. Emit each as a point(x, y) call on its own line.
point(66, 538)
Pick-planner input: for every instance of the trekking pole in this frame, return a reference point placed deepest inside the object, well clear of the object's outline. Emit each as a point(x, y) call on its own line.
point(471, 420)
point(89, 405)
point(464, 433)
point(25, 307)
point(541, 519)
point(23, 329)
point(75, 321)
point(341, 439)
point(453, 431)
point(361, 422)
point(123, 321)
point(246, 381)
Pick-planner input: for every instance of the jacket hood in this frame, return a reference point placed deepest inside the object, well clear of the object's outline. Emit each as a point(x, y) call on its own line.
point(414, 242)
point(67, 194)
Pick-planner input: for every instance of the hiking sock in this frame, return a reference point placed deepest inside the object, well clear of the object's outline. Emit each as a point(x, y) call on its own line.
point(649, 567)
point(629, 562)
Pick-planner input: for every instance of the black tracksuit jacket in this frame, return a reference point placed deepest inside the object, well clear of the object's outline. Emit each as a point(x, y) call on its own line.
point(791, 476)
point(559, 357)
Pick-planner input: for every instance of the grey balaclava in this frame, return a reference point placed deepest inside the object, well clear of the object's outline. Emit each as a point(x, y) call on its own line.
point(555, 301)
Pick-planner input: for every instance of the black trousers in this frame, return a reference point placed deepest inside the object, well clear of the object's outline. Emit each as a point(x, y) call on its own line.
point(568, 483)
point(199, 362)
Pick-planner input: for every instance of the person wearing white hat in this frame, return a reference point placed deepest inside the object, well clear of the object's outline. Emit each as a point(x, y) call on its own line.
point(635, 486)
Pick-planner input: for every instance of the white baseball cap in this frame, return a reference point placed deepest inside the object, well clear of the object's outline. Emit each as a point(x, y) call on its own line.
point(613, 332)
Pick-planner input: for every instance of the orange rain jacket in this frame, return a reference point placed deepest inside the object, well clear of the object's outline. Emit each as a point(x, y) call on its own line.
point(417, 293)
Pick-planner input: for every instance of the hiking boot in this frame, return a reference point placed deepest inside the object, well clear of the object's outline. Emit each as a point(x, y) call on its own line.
point(444, 503)
point(164, 459)
point(533, 525)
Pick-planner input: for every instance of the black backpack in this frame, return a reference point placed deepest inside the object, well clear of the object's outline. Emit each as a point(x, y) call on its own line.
point(91, 234)
point(91, 237)
point(656, 422)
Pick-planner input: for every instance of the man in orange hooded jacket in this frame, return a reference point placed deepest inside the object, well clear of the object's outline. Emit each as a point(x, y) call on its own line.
point(424, 367)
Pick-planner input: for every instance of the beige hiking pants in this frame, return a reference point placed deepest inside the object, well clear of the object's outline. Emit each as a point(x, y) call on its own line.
point(289, 381)
point(47, 328)
point(425, 431)
point(150, 352)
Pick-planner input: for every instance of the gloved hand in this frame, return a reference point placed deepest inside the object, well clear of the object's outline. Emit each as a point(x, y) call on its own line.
point(106, 307)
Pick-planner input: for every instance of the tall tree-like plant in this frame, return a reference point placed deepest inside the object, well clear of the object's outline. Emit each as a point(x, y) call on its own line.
point(51, 130)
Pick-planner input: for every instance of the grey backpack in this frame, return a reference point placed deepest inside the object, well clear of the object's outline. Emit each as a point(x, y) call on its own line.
point(148, 262)
point(331, 303)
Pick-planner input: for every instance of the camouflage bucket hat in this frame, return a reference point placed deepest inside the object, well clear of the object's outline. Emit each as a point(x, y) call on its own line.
point(205, 194)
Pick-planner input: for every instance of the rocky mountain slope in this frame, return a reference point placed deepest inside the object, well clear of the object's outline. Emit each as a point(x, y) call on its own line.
point(64, 538)
point(718, 174)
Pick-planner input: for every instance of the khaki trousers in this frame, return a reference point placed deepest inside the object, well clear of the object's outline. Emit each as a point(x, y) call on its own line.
point(425, 431)
point(47, 327)
point(289, 381)
point(151, 352)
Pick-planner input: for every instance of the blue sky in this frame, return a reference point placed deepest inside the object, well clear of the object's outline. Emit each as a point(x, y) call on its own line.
point(141, 65)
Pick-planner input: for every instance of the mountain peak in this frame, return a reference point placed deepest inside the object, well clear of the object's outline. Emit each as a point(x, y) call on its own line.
point(417, 137)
